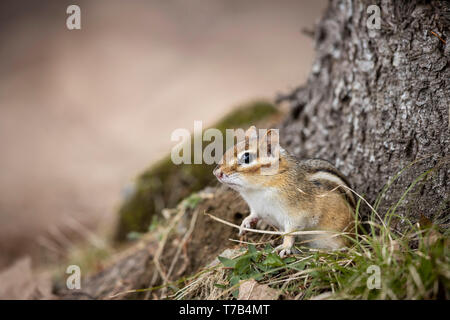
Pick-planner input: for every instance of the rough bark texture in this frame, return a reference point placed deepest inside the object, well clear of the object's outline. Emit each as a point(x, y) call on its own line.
point(377, 100)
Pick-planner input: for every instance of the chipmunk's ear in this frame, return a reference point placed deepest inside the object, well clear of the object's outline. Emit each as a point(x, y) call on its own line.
point(251, 132)
point(251, 138)
point(270, 142)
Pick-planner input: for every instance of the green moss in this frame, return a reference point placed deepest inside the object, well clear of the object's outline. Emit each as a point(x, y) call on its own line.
point(164, 184)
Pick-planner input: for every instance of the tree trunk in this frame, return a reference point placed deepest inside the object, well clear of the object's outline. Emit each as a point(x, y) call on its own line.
point(377, 100)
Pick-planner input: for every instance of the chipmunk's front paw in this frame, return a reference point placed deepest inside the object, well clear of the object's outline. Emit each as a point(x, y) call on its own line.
point(283, 251)
point(249, 222)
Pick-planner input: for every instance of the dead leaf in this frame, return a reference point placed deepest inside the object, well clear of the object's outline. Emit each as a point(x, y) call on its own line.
point(252, 290)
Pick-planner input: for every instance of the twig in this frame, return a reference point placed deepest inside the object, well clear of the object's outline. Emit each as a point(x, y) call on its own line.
point(436, 35)
point(162, 244)
point(185, 238)
point(247, 242)
point(359, 196)
point(267, 231)
point(290, 278)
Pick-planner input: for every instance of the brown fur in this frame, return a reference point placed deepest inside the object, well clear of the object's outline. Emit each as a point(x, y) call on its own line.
point(320, 201)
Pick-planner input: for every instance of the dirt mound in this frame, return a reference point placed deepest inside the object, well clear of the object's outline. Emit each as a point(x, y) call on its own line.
point(177, 248)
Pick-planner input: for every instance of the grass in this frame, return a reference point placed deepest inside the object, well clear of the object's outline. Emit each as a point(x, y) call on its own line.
point(381, 263)
point(411, 265)
point(404, 272)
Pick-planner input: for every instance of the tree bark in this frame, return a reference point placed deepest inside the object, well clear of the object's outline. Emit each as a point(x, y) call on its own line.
point(377, 100)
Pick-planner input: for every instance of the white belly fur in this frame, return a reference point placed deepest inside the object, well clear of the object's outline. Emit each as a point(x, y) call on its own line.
point(267, 206)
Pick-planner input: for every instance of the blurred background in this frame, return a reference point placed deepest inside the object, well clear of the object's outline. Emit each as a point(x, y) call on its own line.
point(83, 111)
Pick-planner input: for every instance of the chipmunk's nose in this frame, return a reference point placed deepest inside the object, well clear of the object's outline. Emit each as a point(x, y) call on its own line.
point(218, 173)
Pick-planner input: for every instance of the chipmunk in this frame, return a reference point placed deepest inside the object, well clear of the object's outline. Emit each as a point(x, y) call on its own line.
point(296, 196)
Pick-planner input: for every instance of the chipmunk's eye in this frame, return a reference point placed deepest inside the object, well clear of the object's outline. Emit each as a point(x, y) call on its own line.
point(246, 158)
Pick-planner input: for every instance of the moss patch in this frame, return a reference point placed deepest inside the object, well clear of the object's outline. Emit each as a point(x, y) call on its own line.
point(164, 184)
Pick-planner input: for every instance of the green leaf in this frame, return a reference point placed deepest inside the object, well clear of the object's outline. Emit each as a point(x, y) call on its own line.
point(299, 266)
point(220, 286)
point(257, 256)
point(227, 262)
point(234, 281)
point(256, 275)
point(252, 249)
point(289, 260)
point(242, 265)
point(273, 260)
point(262, 266)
